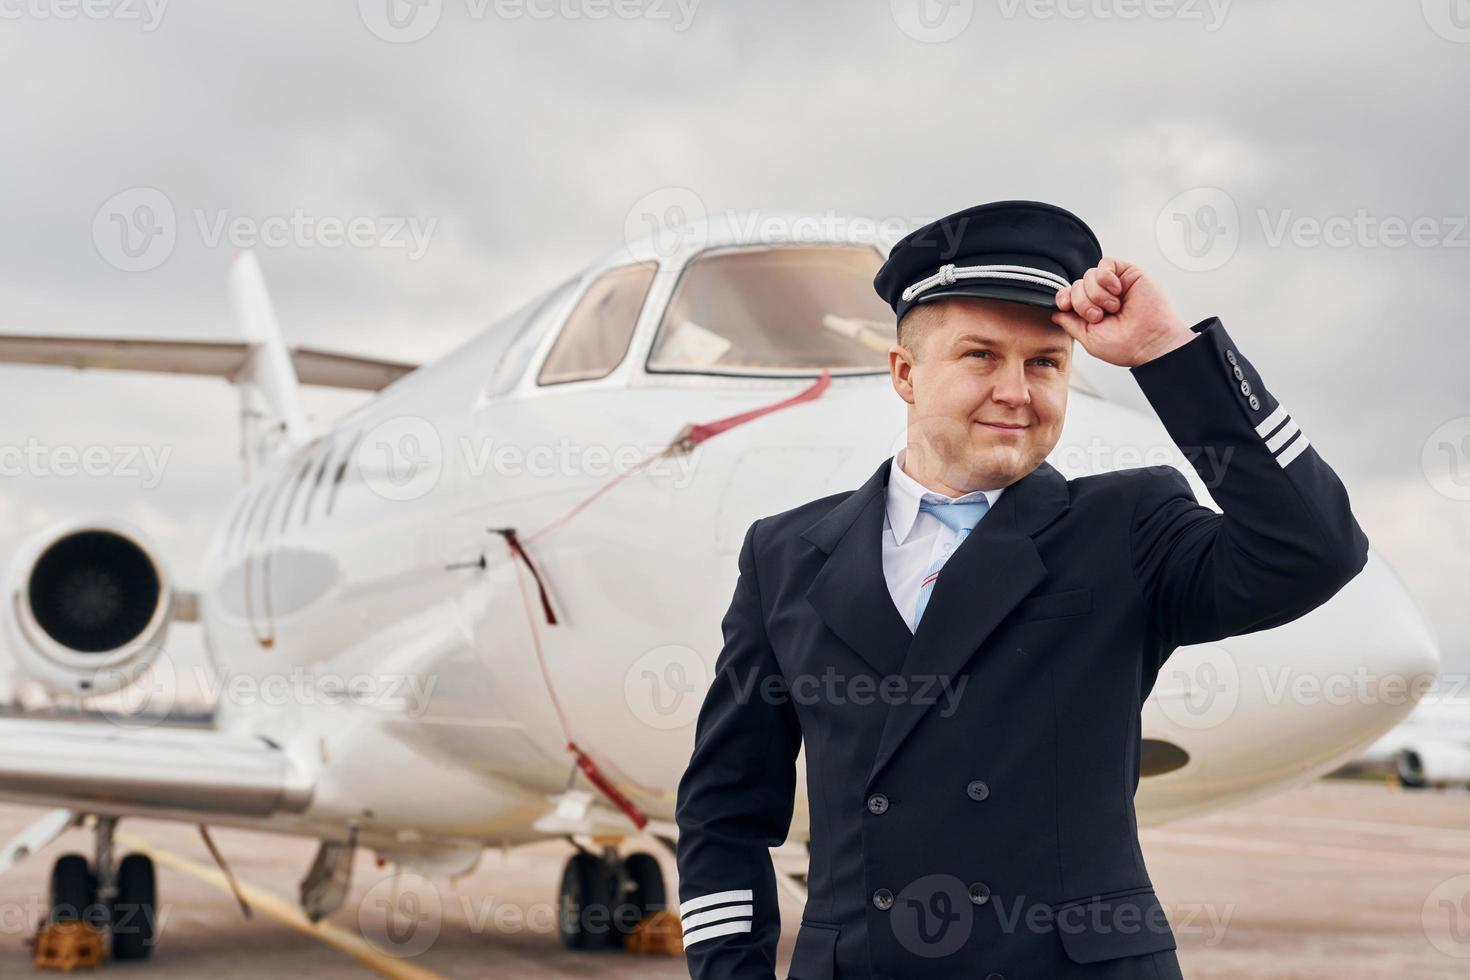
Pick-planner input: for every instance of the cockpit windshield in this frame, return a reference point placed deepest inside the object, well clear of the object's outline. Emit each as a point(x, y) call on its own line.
point(776, 310)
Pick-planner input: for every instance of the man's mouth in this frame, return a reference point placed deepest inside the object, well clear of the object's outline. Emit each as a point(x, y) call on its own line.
point(1004, 426)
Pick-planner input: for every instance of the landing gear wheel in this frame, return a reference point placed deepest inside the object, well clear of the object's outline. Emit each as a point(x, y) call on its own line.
point(582, 904)
point(1410, 770)
point(133, 921)
point(73, 890)
point(643, 896)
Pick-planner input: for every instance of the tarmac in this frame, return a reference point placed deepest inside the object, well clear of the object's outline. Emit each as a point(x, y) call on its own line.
point(1340, 879)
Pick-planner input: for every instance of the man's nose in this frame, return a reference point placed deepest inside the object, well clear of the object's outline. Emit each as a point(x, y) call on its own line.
point(1010, 385)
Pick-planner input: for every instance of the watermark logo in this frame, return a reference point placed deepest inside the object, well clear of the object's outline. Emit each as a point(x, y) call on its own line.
point(933, 916)
point(932, 21)
point(1199, 230)
point(142, 692)
point(401, 458)
point(401, 915)
point(1200, 690)
point(1445, 459)
point(1445, 917)
point(400, 21)
point(671, 219)
point(1450, 19)
point(662, 688)
point(135, 230)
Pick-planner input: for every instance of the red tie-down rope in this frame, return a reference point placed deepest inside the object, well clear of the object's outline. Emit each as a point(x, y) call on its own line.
point(685, 442)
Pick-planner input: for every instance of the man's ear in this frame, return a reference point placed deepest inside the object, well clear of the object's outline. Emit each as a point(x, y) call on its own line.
point(900, 371)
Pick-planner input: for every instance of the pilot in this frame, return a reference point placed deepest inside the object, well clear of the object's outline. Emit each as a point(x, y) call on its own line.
point(983, 631)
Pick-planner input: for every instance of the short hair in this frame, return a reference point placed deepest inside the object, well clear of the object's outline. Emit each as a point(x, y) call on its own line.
point(916, 323)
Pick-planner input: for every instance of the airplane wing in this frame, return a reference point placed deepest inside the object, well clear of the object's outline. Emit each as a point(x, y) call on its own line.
point(174, 772)
point(216, 358)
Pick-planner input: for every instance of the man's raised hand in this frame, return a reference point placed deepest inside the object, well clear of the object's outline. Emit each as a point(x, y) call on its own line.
point(1119, 314)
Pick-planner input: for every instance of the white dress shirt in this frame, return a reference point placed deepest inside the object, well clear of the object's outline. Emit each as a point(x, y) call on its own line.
point(913, 539)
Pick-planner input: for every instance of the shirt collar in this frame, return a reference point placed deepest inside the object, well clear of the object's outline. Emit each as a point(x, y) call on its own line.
point(904, 494)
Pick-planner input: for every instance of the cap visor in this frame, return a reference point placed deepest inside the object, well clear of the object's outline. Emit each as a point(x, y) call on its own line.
point(1012, 292)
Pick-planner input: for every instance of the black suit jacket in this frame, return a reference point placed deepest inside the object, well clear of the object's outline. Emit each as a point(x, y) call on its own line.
point(971, 785)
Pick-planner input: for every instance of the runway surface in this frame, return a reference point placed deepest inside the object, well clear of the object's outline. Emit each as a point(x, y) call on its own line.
point(1340, 879)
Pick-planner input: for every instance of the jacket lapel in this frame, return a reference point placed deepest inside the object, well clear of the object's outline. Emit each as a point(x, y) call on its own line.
point(849, 592)
point(991, 571)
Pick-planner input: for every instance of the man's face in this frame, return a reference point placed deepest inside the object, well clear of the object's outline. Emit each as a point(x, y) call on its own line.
point(987, 391)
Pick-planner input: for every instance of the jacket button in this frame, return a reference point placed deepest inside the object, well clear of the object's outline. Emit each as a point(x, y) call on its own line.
point(994, 976)
point(1230, 356)
point(1255, 403)
point(1245, 387)
point(1239, 374)
point(878, 803)
point(979, 893)
point(883, 899)
point(977, 790)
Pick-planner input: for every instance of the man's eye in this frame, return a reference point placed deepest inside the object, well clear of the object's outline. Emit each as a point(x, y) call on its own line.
point(1048, 360)
point(985, 352)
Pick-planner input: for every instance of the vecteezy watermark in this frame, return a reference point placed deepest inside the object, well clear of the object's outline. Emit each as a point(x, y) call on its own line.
point(1359, 686)
point(406, 21)
point(932, 21)
point(934, 915)
point(1445, 917)
point(833, 687)
point(1198, 689)
point(148, 14)
point(137, 229)
point(937, 21)
point(663, 687)
point(672, 219)
point(1445, 458)
point(1210, 14)
point(1450, 19)
point(148, 689)
point(1098, 455)
point(1198, 230)
point(37, 459)
point(1361, 229)
point(402, 914)
point(402, 458)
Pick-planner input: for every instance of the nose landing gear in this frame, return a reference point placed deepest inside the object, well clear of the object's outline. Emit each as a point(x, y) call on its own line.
point(604, 898)
point(119, 899)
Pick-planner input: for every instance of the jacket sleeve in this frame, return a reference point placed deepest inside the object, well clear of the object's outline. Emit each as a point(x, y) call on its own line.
point(1287, 540)
point(735, 798)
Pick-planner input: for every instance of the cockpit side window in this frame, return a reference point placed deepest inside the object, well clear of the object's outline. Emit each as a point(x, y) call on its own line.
point(776, 310)
point(597, 332)
point(519, 336)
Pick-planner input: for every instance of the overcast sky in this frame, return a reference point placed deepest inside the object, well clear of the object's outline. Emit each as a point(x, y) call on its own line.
point(1297, 169)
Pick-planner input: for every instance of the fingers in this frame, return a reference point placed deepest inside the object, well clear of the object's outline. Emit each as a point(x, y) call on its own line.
point(1075, 326)
point(1083, 304)
point(1096, 292)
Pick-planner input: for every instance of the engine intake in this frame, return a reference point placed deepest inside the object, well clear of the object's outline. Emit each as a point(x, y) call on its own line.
point(89, 608)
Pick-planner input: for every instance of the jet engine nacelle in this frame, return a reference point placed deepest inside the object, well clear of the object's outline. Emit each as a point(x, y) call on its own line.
point(87, 607)
point(1434, 764)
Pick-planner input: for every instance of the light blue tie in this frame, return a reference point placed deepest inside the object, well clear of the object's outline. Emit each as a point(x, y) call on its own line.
point(959, 517)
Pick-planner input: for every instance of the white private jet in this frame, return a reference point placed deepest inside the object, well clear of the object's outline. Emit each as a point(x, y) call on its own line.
point(1431, 748)
point(489, 599)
